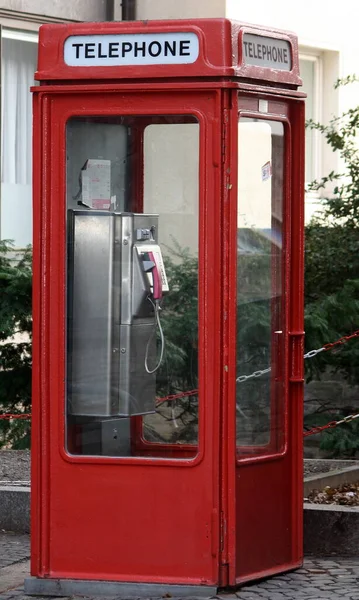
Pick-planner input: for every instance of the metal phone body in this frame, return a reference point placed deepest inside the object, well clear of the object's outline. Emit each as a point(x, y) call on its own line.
point(111, 318)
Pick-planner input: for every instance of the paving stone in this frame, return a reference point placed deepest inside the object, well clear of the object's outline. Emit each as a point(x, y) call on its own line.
point(13, 575)
point(14, 547)
point(319, 594)
point(276, 596)
point(297, 594)
point(296, 577)
point(337, 571)
point(273, 585)
point(267, 595)
point(328, 564)
point(327, 581)
point(255, 588)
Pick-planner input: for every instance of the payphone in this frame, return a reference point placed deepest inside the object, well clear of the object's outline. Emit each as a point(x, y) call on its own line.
point(167, 308)
point(116, 283)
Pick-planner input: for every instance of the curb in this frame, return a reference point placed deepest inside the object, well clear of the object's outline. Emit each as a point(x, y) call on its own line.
point(15, 508)
point(330, 530)
point(332, 479)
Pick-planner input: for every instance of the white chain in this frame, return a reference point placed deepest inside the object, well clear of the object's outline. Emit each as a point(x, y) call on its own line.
point(313, 353)
point(347, 419)
point(256, 374)
point(243, 378)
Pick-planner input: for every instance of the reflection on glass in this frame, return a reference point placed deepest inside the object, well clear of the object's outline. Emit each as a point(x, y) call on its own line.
point(259, 286)
point(171, 190)
point(132, 286)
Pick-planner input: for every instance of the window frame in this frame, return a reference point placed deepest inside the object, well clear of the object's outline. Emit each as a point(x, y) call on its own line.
point(21, 35)
point(201, 115)
point(270, 451)
point(316, 58)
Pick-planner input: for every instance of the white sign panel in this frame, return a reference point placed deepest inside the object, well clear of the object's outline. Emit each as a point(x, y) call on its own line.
point(131, 49)
point(264, 51)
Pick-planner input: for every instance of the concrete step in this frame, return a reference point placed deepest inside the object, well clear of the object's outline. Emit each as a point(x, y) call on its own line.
point(15, 507)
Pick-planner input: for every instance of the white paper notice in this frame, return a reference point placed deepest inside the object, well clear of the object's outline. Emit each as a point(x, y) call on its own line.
point(96, 184)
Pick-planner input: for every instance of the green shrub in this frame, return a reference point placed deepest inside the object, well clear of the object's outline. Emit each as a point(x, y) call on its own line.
point(15, 343)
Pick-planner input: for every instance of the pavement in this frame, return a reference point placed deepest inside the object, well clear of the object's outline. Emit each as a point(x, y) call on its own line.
point(14, 562)
point(320, 578)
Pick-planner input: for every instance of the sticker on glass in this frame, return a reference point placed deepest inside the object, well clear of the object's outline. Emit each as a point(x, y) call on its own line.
point(266, 171)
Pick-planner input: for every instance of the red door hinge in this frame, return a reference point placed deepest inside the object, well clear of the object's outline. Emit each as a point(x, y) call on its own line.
point(224, 566)
point(225, 134)
point(223, 531)
point(224, 575)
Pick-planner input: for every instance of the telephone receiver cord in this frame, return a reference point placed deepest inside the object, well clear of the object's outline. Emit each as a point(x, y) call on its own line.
point(156, 306)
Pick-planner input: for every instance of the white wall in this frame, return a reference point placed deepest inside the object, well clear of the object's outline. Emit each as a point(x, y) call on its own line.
point(79, 10)
point(180, 9)
point(315, 21)
point(16, 214)
point(330, 31)
point(334, 36)
point(316, 26)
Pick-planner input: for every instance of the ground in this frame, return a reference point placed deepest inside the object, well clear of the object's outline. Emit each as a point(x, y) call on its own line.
point(324, 578)
point(328, 578)
point(14, 547)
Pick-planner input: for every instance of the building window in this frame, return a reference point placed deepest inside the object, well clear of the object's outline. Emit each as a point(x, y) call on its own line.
point(311, 73)
point(18, 61)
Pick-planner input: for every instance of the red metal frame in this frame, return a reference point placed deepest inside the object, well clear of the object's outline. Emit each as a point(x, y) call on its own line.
point(191, 520)
point(220, 43)
point(141, 447)
point(265, 475)
point(279, 407)
point(202, 570)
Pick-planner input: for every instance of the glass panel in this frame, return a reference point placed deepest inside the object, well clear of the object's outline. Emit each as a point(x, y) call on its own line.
point(132, 233)
point(171, 190)
point(260, 316)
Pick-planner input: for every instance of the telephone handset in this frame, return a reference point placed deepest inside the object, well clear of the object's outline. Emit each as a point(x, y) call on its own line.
point(154, 268)
point(156, 279)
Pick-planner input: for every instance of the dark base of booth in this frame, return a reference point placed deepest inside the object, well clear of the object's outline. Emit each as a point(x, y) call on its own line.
point(84, 587)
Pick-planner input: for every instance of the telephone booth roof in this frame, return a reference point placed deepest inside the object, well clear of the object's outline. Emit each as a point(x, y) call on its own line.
point(201, 48)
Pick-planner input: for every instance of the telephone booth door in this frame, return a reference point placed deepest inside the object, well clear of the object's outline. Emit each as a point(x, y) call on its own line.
point(266, 330)
point(135, 496)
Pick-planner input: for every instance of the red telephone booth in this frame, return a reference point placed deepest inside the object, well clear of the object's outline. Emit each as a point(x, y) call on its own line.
point(168, 307)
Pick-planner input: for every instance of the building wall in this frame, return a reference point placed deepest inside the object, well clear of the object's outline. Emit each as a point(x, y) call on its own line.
point(333, 43)
point(180, 9)
point(78, 10)
point(315, 27)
